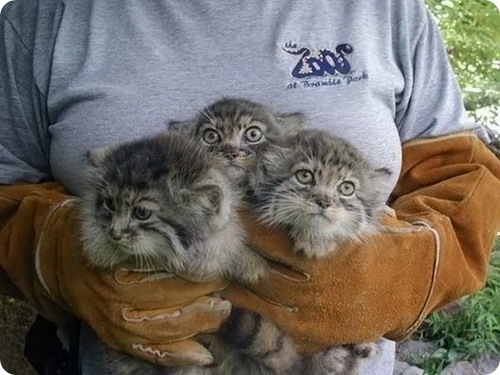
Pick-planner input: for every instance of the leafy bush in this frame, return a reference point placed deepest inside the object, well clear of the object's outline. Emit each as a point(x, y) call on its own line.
point(471, 29)
point(472, 331)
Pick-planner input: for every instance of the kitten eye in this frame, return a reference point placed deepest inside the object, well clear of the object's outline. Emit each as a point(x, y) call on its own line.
point(253, 134)
point(210, 137)
point(305, 177)
point(109, 204)
point(142, 213)
point(347, 188)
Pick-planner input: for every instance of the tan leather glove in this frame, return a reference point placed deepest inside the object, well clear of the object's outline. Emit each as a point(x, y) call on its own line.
point(147, 315)
point(437, 250)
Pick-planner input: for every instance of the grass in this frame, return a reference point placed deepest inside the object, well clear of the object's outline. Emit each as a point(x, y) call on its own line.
point(473, 331)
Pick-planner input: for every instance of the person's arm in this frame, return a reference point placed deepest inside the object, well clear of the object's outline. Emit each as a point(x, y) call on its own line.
point(40, 252)
point(23, 149)
point(431, 103)
point(435, 250)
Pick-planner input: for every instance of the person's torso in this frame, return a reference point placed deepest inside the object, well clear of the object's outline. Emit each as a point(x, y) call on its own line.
point(123, 69)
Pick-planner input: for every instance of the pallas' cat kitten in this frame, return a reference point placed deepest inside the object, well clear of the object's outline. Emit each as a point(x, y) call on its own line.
point(324, 193)
point(164, 203)
point(319, 188)
point(236, 130)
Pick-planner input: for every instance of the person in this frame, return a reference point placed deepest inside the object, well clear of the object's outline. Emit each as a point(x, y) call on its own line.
point(78, 75)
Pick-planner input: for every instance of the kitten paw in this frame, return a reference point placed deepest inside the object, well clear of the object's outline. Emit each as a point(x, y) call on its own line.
point(336, 360)
point(366, 349)
point(251, 268)
point(252, 276)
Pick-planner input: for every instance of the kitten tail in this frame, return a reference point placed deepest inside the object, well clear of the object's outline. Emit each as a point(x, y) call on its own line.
point(254, 335)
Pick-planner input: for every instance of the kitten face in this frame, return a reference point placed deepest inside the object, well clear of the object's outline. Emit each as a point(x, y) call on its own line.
point(236, 130)
point(320, 188)
point(141, 204)
point(124, 216)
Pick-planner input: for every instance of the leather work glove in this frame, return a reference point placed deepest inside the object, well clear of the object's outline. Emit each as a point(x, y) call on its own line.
point(148, 315)
point(435, 250)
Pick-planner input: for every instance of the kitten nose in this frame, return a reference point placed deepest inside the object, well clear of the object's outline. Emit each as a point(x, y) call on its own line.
point(231, 155)
point(114, 234)
point(322, 203)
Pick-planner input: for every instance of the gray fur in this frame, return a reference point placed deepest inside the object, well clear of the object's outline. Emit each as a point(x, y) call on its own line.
point(256, 345)
point(231, 122)
point(249, 343)
point(192, 230)
point(189, 223)
point(319, 214)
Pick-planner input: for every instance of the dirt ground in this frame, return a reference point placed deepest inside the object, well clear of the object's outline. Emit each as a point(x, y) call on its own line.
point(15, 319)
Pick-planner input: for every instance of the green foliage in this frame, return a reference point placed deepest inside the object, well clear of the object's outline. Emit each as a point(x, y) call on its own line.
point(471, 29)
point(473, 331)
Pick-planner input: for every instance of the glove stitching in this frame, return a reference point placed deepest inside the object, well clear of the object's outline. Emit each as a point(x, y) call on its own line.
point(437, 258)
point(149, 350)
point(125, 310)
point(158, 275)
point(290, 309)
point(38, 267)
point(200, 357)
point(211, 306)
point(417, 228)
point(306, 276)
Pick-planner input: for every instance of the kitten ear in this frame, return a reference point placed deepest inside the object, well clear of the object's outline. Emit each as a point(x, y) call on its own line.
point(382, 173)
point(179, 126)
point(96, 156)
point(291, 122)
point(379, 180)
point(275, 156)
point(380, 177)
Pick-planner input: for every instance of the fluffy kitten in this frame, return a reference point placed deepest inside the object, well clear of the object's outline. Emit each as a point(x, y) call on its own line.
point(165, 203)
point(236, 130)
point(224, 129)
point(320, 189)
point(142, 208)
point(323, 192)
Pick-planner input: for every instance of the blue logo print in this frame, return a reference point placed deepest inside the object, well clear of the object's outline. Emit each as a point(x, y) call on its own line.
point(324, 63)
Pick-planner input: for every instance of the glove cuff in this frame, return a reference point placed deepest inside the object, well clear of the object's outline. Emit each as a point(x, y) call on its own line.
point(47, 255)
point(26, 213)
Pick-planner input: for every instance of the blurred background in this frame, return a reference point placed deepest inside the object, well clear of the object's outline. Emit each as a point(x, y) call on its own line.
point(463, 339)
point(471, 29)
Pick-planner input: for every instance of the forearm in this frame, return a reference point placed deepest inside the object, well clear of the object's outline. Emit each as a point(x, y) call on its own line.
point(451, 184)
point(386, 285)
point(24, 210)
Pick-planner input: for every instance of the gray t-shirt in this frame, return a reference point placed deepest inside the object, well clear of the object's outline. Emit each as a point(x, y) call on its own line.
point(82, 74)
point(76, 75)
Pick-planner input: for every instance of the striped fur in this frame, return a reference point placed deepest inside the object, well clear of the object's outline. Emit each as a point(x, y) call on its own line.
point(236, 130)
point(340, 201)
point(189, 225)
point(249, 343)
